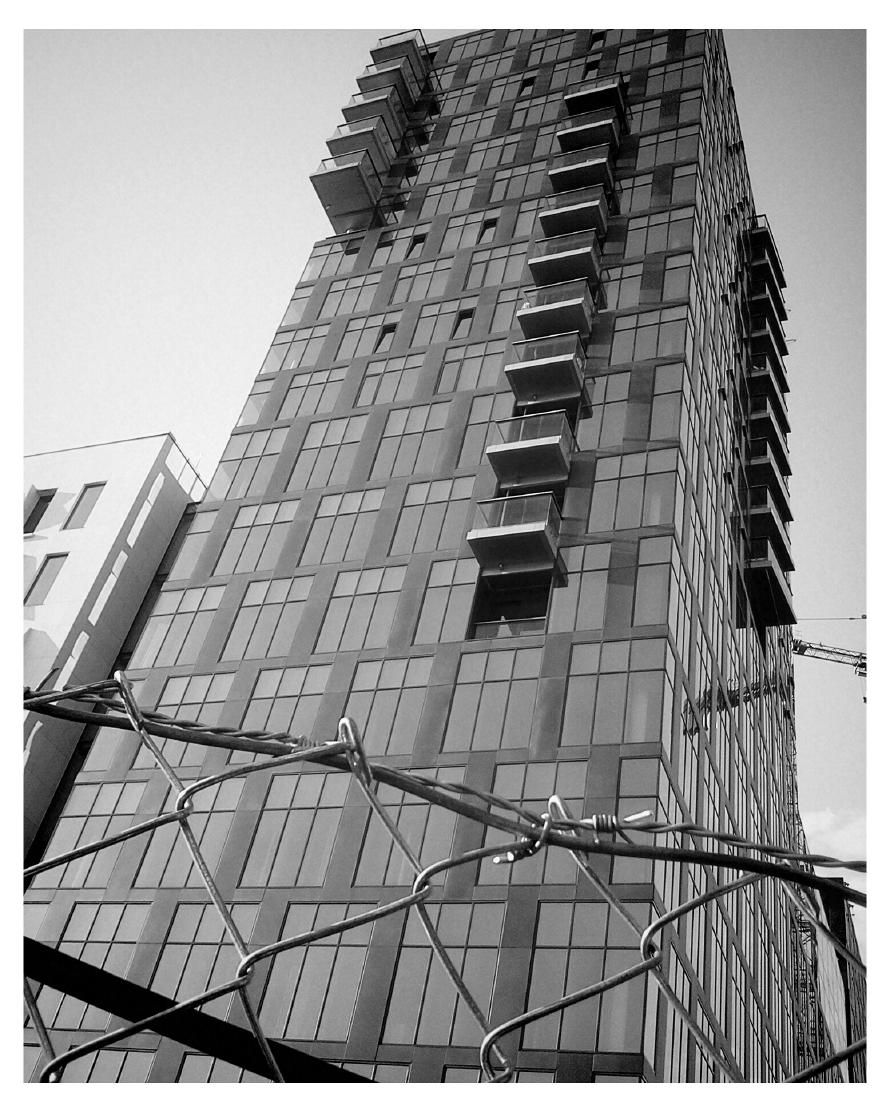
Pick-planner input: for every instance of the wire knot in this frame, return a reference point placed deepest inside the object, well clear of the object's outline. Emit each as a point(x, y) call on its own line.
point(531, 846)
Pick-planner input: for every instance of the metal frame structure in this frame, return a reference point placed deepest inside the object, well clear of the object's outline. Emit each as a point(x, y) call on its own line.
point(111, 704)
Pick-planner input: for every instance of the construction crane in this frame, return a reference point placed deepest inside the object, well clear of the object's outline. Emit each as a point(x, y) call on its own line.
point(828, 652)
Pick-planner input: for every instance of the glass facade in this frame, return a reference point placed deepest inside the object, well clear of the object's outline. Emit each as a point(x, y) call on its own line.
point(643, 665)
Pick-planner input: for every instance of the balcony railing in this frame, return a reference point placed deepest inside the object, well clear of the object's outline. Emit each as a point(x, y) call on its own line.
point(578, 169)
point(765, 332)
point(589, 128)
point(768, 586)
point(765, 520)
point(397, 73)
point(576, 211)
point(764, 470)
point(762, 234)
point(547, 370)
point(592, 96)
point(534, 450)
point(404, 44)
point(349, 187)
point(563, 258)
point(515, 535)
point(509, 627)
point(552, 310)
point(386, 103)
point(369, 135)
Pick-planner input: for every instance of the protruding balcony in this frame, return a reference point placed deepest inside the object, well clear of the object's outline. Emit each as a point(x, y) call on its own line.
point(590, 129)
point(767, 377)
point(765, 521)
point(764, 425)
point(764, 299)
point(764, 470)
point(775, 405)
point(515, 535)
point(577, 211)
point(549, 370)
point(397, 74)
point(551, 310)
point(579, 169)
point(768, 586)
point(764, 253)
point(386, 104)
point(403, 44)
point(594, 96)
point(372, 136)
point(767, 338)
point(349, 187)
point(563, 258)
point(535, 450)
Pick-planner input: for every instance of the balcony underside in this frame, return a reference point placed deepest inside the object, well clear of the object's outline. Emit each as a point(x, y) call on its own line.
point(556, 379)
point(543, 461)
point(514, 549)
point(769, 592)
point(563, 266)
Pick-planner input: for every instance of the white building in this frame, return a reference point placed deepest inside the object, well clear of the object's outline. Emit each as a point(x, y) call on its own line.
point(98, 521)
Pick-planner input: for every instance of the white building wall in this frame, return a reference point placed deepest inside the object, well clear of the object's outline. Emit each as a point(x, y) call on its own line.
point(75, 635)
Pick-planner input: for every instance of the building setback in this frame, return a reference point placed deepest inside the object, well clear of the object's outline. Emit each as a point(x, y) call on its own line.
point(510, 489)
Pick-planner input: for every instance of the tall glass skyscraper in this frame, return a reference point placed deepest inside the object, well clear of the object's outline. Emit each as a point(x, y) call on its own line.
point(510, 489)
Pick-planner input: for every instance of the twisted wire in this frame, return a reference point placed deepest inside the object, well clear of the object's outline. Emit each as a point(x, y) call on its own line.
point(531, 832)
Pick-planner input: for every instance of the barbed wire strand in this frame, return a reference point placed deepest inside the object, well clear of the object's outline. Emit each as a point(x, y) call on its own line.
point(285, 749)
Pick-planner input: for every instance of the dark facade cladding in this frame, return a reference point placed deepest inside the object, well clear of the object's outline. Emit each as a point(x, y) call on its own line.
point(510, 490)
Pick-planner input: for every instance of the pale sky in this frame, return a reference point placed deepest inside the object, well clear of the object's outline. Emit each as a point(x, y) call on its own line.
point(168, 214)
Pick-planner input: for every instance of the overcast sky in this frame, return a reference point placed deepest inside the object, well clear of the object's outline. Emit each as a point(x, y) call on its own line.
point(168, 214)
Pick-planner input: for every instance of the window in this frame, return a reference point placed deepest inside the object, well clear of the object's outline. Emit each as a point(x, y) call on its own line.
point(684, 184)
point(495, 152)
point(428, 829)
point(503, 319)
point(469, 230)
point(331, 258)
point(564, 74)
point(284, 700)
point(621, 285)
point(398, 244)
point(649, 52)
point(483, 412)
point(349, 295)
point(663, 231)
point(202, 1069)
point(328, 453)
point(471, 46)
point(492, 66)
point(196, 698)
point(532, 785)
point(389, 380)
point(92, 812)
point(447, 320)
point(83, 507)
point(304, 349)
point(675, 76)
point(496, 265)
point(342, 527)
point(536, 110)
point(568, 955)
point(449, 197)
point(267, 619)
point(675, 285)
point(253, 407)
point(367, 335)
point(110, 1067)
point(386, 700)
point(511, 88)
point(433, 516)
point(411, 440)
point(679, 145)
point(417, 281)
point(641, 336)
point(293, 314)
point(447, 600)
point(46, 575)
point(192, 544)
point(551, 50)
point(519, 182)
point(295, 833)
point(35, 516)
point(311, 392)
point(494, 700)
point(459, 101)
point(247, 464)
point(175, 632)
point(633, 490)
point(615, 694)
point(198, 953)
point(167, 862)
point(471, 1075)
point(385, 1073)
point(478, 125)
point(256, 538)
point(581, 603)
point(636, 196)
point(424, 1007)
point(312, 990)
point(434, 167)
point(361, 610)
point(105, 935)
point(471, 367)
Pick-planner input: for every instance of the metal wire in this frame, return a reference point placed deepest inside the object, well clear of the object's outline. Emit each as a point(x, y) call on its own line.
point(531, 833)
